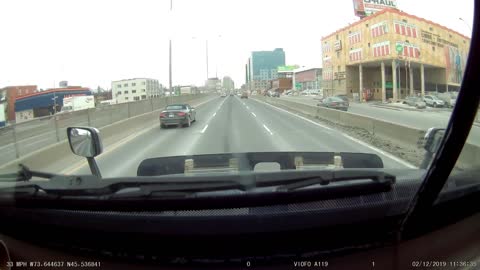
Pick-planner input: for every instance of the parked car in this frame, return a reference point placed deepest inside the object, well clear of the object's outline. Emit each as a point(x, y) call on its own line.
point(450, 98)
point(223, 95)
point(334, 103)
point(433, 101)
point(275, 94)
point(416, 102)
point(177, 115)
point(244, 95)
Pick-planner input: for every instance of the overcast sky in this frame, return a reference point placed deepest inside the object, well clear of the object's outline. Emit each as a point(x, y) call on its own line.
point(92, 42)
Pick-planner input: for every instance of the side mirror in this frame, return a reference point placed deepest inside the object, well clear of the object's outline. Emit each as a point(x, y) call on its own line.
point(85, 142)
point(432, 139)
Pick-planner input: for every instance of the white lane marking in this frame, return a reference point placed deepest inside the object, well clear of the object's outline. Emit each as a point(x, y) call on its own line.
point(269, 131)
point(299, 116)
point(403, 162)
point(77, 166)
point(205, 128)
point(214, 114)
point(254, 114)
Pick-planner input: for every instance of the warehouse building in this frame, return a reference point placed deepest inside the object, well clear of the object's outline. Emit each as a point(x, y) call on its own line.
point(390, 55)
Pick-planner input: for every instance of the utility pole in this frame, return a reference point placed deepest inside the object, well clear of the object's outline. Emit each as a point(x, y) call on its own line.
point(170, 57)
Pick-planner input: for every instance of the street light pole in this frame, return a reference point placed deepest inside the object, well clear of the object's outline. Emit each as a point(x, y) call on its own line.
point(170, 57)
point(461, 19)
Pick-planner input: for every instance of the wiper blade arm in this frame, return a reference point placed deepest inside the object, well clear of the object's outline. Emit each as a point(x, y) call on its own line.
point(376, 177)
point(24, 174)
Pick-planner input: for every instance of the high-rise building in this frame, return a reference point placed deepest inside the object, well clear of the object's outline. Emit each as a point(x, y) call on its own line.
point(262, 67)
point(135, 89)
point(228, 83)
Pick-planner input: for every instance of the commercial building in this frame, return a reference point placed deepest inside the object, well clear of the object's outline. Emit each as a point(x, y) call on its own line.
point(262, 67)
point(228, 83)
point(213, 85)
point(392, 54)
point(9, 95)
point(309, 79)
point(135, 89)
point(45, 103)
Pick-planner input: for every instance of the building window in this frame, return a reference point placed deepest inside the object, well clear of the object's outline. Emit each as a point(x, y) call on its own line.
point(136, 98)
point(409, 50)
point(134, 84)
point(381, 49)
point(125, 92)
point(431, 28)
point(134, 91)
point(433, 48)
point(379, 29)
point(354, 37)
point(144, 97)
point(126, 98)
point(143, 90)
point(409, 30)
point(119, 92)
point(355, 55)
point(119, 86)
point(338, 54)
point(125, 84)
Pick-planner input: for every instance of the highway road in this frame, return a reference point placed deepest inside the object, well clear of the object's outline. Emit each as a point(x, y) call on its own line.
point(413, 118)
point(230, 124)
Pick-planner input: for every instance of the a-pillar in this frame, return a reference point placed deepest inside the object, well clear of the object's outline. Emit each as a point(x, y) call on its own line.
point(384, 95)
point(394, 80)
point(422, 79)
point(360, 91)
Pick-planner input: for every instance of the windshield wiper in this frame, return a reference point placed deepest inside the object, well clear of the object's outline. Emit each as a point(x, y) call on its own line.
point(377, 179)
point(24, 174)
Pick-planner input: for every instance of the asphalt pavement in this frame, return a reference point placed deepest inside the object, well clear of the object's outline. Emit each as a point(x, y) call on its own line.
point(230, 124)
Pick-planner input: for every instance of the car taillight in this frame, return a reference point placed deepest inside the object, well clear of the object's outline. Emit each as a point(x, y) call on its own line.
point(162, 115)
point(181, 114)
point(334, 103)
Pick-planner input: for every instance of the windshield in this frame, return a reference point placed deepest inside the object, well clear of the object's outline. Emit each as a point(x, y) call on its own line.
point(254, 75)
point(175, 107)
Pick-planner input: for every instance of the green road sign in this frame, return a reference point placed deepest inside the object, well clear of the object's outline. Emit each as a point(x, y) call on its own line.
point(298, 86)
point(287, 68)
point(399, 48)
point(388, 85)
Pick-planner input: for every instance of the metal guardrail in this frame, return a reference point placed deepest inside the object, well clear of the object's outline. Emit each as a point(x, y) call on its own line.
point(23, 138)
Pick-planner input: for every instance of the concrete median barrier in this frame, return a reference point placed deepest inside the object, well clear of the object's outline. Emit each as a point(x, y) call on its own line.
point(401, 135)
point(58, 154)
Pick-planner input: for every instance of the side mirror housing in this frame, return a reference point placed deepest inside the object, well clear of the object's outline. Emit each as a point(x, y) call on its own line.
point(432, 139)
point(85, 141)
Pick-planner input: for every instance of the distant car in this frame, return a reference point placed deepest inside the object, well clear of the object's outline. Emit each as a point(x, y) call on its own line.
point(334, 103)
point(231, 94)
point(223, 95)
point(433, 101)
point(450, 98)
point(416, 102)
point(275, 94)
point(244, 95)
point(177, 115)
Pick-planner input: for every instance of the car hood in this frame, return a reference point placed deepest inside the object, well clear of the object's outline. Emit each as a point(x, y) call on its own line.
point(254, 161)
